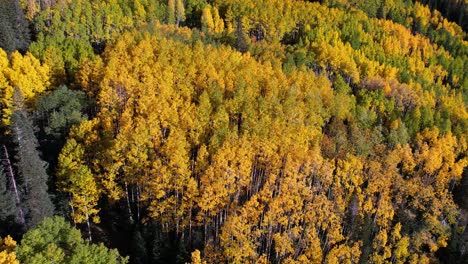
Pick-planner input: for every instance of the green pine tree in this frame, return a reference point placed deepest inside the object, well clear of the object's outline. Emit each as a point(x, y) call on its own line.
point(139, 253)
point(14, 31)
point(30, 168)
point(7, 199)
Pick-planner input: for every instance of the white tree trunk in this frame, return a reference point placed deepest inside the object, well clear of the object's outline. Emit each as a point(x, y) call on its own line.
point(13, 183)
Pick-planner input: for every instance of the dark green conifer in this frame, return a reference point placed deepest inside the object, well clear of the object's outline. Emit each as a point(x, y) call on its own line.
point(30, 168)
point(14, 31)
point(7, 200)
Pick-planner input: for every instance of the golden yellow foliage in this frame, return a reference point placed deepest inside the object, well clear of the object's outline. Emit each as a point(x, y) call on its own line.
point(7, 251)
point(24, 73)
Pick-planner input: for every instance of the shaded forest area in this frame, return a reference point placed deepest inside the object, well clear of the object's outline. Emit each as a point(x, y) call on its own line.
point(224, 131)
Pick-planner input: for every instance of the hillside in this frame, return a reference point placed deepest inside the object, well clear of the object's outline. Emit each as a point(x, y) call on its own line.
point(222, 131)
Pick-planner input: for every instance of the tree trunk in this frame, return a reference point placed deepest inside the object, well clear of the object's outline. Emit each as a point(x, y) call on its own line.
point(128, 203)
point(90, 237)
point(89, 230)
point(138, 202)
point(13, 183)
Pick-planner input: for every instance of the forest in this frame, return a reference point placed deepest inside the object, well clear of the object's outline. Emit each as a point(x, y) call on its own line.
point(233, 131)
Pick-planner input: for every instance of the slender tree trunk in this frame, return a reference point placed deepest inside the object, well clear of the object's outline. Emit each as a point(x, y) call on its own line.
point(175, 211)
point(190, 226)
point(90, 237)
point(13, 183)
point(128, 203)
point(204, 229)
point(138, 202)
point(89, 230)
point(325, 245)
point(73, 212)
point(269, 240)
point(216, 227)
point(377, 210)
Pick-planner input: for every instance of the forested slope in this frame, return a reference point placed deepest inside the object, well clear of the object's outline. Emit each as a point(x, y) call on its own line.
point(227, 131)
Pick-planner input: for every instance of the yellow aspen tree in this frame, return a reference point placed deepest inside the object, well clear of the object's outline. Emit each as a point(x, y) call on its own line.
point(400, 245)
point(196, 257)
point(237, 237)
point(224, 181)
point(7, 251)
point(76, 178)
point(180, 12)
point(140, 12)
point(313, 251)
point(207, 22)
point(171, 12)
point(218, 22)
point(28, 75)
point(344, 254)
point(24, 73)
point(6, 91)
point(32, 8)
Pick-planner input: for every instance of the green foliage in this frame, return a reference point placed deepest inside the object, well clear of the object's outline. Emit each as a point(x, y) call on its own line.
point(14, 31)
point(56, 241)
point(31, 170)
point(77, 29)
point(271, 131)
point(139, 252)
point(7, 200)
point(57, 112)
point(398, 134)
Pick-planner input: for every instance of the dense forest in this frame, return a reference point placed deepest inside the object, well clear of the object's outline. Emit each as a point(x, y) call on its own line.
point(225, 131)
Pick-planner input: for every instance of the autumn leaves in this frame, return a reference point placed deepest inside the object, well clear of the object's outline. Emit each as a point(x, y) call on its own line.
point(333, 137)
point(231, 148)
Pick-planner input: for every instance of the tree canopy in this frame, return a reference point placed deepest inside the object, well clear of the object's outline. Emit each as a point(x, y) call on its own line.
point(213, 131)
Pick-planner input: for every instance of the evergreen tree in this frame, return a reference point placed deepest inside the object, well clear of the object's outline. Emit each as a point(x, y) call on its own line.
point(14, 32)
point(31, 169)
point(321, 164)
point(7, 200)
point(241, 43)
point(58, 111)
point(55, 113)
point(139, 253)
point(11, 196)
